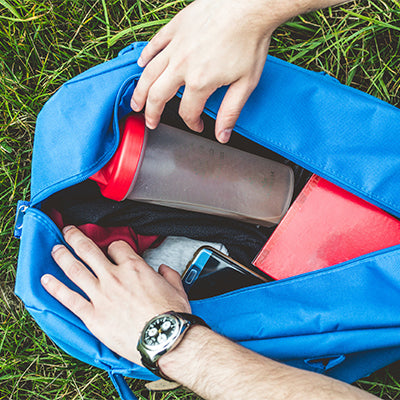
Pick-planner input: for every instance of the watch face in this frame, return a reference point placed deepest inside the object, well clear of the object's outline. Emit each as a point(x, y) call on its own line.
point(160, 330)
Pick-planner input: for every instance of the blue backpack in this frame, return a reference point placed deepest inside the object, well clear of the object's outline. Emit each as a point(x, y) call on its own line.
point(342, 321)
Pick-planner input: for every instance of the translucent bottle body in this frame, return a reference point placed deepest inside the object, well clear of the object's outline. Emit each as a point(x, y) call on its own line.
point(186, 171)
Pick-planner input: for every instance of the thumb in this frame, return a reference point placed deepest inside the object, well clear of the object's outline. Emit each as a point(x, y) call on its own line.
point(171, 276)
point(231, 106)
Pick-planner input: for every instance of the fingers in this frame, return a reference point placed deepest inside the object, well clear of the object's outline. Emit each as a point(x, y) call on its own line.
point(162, 90)
point(150, 74)
point(121, 252)
point(231, 106)
point(75, 270)
point(171, 276)
point(87, 251)
point(156, 44)
point(192, 105)
point(70, 299)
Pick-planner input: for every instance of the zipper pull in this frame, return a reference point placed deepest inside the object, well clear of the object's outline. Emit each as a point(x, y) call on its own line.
point(22, 206)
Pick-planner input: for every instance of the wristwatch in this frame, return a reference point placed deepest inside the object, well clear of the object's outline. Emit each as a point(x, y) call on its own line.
point(163, 333)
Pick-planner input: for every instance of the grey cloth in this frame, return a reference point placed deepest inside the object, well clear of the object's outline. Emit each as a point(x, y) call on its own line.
point(176, 252)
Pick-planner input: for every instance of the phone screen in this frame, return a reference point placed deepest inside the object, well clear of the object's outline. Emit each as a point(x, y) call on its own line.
point(212, 273)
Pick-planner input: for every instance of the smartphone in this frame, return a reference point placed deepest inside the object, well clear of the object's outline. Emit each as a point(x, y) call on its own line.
point(211, 273)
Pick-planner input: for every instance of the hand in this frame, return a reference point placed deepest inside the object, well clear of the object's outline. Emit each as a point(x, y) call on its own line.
point(123, 295)
point(207, 45)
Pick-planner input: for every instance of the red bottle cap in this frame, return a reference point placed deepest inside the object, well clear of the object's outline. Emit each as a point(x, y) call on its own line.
point(116, 177)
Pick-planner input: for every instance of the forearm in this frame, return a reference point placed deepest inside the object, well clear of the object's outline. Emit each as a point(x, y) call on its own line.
point(303, 6)
point(216, 368)
point(283, 10)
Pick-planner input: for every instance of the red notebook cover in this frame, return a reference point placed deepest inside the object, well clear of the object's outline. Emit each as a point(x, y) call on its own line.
point(325, 225)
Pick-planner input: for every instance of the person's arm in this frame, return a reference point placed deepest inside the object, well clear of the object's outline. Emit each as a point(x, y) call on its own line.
point(217, 369)
point(209, 44)
point(125, 293)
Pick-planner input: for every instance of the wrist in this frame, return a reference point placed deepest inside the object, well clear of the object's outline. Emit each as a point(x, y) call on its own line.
point(180, 364)
point(267, 15)
point(280, 11)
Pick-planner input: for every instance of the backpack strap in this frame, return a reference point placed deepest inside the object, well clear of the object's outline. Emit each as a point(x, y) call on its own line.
point(122, 387)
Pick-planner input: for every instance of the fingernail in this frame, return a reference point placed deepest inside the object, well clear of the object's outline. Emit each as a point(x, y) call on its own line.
point(224, 135)
point(45, 280)
point(67, 228)
point(134, 106)
point(140, 62)
point(56, 248)
point(151, 125)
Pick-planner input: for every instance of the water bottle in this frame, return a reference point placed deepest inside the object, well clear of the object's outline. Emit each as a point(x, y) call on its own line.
point(174, 168)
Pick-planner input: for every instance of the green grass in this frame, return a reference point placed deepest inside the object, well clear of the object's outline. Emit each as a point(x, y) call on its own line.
point(43, 44)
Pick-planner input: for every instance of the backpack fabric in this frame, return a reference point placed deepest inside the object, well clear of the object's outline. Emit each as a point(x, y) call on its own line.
point(342, 321)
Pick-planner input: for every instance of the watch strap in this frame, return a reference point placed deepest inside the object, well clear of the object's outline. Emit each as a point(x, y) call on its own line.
point(193, 319)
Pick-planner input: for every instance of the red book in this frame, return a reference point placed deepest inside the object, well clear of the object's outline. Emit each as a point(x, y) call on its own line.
point(326, 225)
